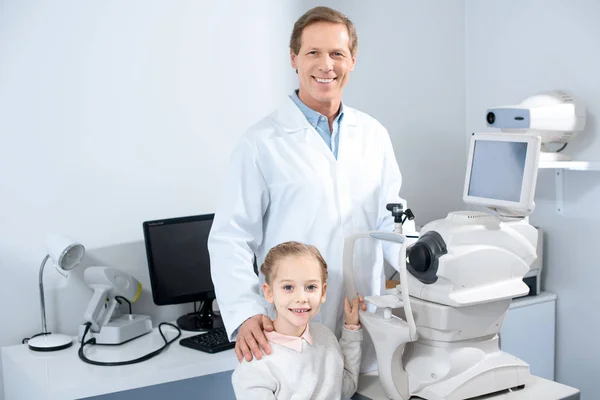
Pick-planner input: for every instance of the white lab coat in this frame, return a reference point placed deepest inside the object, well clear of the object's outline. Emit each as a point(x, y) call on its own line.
point(285, 184)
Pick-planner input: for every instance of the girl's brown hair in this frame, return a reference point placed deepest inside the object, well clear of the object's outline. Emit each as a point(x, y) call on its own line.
point(287, 249)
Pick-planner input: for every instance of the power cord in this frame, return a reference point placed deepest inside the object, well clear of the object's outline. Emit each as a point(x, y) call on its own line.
point(128, 362)
point(27, 339)
point(124, 299)
point(146, 357)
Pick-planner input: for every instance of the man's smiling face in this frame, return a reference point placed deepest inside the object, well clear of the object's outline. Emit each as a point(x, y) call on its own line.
point(323, 63)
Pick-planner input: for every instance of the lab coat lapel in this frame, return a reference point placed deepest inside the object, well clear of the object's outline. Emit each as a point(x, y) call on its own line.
point(291, 119)
point(348, 163)
point(351, 158)
point(348, 150)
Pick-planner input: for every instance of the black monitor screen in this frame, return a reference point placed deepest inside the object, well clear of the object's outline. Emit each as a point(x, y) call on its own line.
point(178, 259)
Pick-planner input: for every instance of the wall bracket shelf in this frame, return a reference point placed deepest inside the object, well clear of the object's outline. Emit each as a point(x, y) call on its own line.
point(560, 167)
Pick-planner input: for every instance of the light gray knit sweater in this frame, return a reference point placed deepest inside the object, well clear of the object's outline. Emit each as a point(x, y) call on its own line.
point(325, 370)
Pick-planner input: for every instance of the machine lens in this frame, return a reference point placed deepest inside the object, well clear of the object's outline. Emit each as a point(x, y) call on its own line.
point(420, 258)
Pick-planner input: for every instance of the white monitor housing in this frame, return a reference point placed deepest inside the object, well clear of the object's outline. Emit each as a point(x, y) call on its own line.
point(502, 172)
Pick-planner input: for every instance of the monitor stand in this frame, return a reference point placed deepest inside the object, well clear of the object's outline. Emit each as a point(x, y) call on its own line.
point(203, 320)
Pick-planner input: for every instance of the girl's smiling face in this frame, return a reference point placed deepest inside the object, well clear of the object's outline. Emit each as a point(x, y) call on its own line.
point(297, 290)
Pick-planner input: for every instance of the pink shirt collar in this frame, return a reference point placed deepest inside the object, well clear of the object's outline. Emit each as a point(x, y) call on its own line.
point(291, 342)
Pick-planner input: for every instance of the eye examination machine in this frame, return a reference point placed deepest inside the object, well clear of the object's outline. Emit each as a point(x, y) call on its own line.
point(436, 334)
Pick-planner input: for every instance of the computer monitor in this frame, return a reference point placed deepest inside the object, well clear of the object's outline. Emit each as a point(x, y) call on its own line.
point(502, 172)
point(179, 267)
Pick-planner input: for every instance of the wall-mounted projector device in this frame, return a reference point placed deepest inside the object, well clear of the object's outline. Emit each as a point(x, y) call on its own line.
point(554, 116)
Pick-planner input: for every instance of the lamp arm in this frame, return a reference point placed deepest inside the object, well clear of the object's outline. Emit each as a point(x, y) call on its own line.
point(42, 302)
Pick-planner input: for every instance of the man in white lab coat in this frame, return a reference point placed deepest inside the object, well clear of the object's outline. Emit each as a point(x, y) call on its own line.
point(314, 171)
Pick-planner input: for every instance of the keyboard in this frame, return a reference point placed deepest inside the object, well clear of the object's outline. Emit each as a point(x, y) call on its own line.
point(212, 341)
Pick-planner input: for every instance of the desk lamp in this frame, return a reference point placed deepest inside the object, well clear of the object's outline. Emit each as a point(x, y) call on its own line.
point(66, 255)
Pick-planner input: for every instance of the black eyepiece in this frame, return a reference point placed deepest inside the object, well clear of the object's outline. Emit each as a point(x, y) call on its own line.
point(491, 118)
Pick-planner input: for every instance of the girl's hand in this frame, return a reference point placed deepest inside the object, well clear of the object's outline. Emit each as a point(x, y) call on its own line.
point(351, 310)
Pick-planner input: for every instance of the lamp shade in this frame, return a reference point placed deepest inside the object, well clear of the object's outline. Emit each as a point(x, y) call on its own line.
point(65, 252)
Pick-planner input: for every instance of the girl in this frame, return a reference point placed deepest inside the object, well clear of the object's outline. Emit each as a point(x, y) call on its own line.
point(307, 362)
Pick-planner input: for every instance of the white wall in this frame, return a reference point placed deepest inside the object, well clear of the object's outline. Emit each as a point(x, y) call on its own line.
point(518, 48)
point(410, 75)
point(113, 113)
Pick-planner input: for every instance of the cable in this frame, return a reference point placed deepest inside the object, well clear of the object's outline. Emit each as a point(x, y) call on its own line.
point(128, 362)
point(27, 339)
point(128, 302)
point(562, 148)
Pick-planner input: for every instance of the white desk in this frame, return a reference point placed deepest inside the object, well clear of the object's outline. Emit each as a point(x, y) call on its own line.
point(538, 389)
point(62, 375)
point(179, 370)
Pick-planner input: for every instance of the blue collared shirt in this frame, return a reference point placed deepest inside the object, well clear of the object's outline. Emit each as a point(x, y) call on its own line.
point(321, 125)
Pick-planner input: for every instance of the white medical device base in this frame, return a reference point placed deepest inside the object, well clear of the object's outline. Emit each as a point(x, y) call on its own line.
point(119, 330)
point(50, 342)
point(451, 368)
